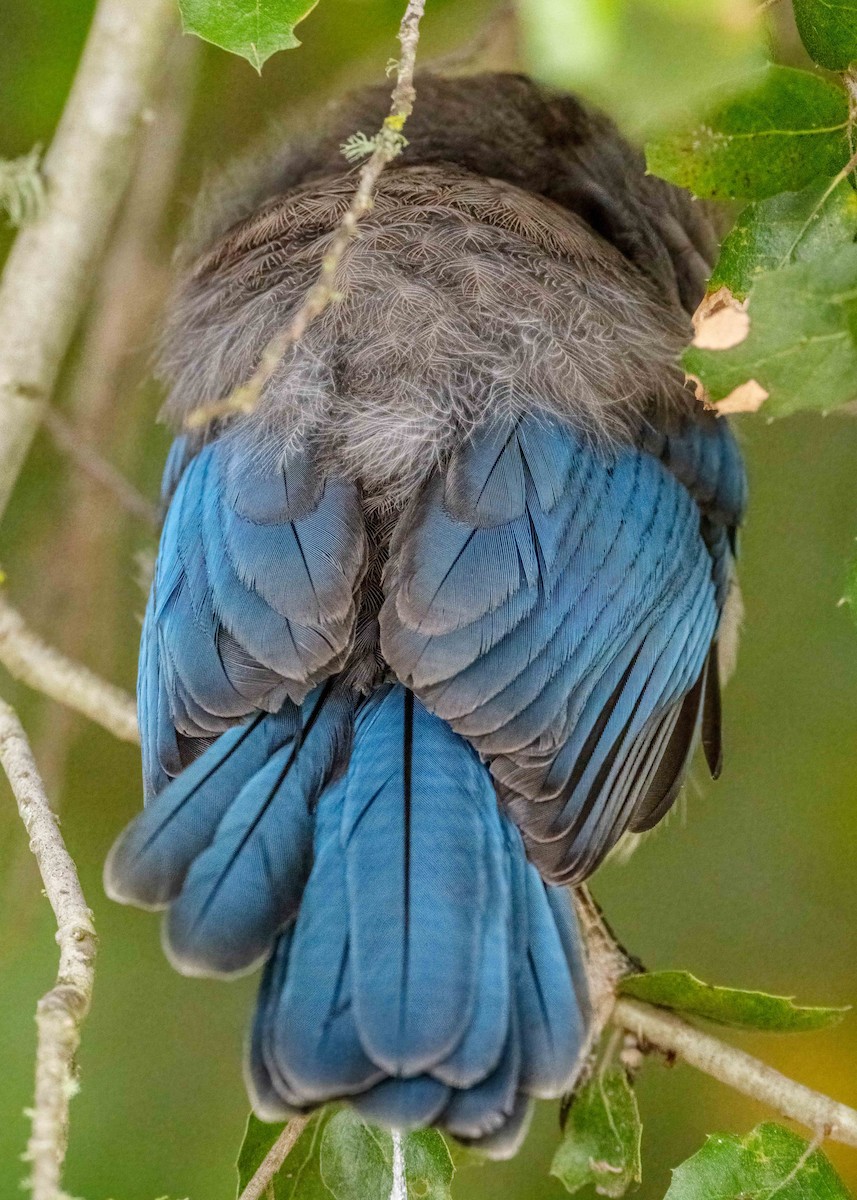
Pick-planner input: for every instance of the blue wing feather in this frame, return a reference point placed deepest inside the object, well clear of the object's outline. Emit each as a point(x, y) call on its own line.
point(615, 629)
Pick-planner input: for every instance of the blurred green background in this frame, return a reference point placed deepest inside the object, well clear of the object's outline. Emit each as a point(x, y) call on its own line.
point(752, 882)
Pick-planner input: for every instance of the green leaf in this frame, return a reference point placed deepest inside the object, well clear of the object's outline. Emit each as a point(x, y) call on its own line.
point(601, 1139)
point(771, 1160)
point(787, 228)
point(777, 135)
point(254, 29)
point(801, 346)
point(299, 1178)
point(727, 1006)
point(357, 1160)
point(828, 29)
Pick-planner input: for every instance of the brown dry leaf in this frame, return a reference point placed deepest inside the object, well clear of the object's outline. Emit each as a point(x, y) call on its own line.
point(721, 321)
point(699, 390)
point(747, 397)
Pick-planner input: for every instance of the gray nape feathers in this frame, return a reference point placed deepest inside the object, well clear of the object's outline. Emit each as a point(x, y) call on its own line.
point(517, 257)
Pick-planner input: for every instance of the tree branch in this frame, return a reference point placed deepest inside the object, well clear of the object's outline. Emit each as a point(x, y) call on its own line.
point(663, 1030)
point(44, 285)
point(28, 658)
point(388, 144)
point(274, 1159)
point(60, 1013)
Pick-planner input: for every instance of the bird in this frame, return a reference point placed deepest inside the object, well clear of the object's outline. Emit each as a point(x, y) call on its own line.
point(444, 616)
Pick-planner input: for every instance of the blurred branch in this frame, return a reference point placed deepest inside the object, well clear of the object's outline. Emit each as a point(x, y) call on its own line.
point(28, 658)
point(496, 36)
point(60, 1013)
point(660, 1030)
point(257, 1187)
point(73, 443)
point(105, 407)
point(388, 144)
point(45, 282)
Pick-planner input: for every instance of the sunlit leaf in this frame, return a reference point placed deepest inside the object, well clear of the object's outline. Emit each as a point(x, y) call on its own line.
point(828, 29)
point(357, 1161)
point(254, 29)
point(769, 1161)
point(778, 134)
point(571, 38)
point(801, 346)
point(727, 1006)
point(586, 45)
point(601, 1139)
point(786, 228)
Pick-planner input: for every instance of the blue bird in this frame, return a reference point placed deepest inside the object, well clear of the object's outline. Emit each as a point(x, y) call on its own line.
point(443, 617)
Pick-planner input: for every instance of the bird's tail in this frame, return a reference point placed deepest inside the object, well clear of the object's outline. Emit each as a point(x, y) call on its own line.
point(417, 964)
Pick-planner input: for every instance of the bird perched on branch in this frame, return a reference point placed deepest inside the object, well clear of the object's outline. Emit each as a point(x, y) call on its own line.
point(442, 618)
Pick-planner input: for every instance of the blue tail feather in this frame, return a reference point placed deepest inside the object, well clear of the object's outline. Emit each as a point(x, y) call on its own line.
point(414, 833)
point(460, 912)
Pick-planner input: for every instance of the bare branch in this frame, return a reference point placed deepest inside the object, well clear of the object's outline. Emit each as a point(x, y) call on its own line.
point(28, 658)
point(274, 1159)
point(388, 144)
point(45, 282)
point(71, 442)
point(663, 1030)
point(61, 1012)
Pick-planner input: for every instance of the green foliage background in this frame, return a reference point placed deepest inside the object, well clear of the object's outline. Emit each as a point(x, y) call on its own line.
point(752, 882)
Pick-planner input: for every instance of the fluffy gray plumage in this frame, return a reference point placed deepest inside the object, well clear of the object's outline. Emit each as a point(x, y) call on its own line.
point(517, 254)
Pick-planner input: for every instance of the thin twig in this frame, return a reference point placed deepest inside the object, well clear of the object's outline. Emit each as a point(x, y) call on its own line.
point(663, 1030)
point(45, 283)
point(388, 144)
point(84, 456)
point(60, 1013)
point(274, 1159)
point(28, 658)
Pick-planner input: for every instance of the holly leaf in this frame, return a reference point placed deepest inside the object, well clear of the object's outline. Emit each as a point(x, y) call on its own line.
point(601, 1139)
point(787, 228)
point(778, 134)
point(828, 29)
point(253, 29)
point(299, 1178)
point(357, 1160)
point(770, 1160)
point(801, 346)
point(685, 993)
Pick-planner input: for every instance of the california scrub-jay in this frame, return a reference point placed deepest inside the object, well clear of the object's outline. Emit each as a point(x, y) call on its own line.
point(441, 619)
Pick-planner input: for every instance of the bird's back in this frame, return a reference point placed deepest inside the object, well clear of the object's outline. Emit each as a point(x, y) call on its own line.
point(441, 618)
